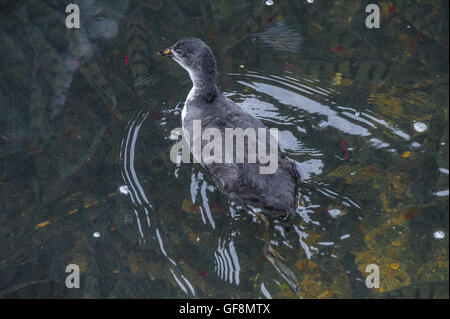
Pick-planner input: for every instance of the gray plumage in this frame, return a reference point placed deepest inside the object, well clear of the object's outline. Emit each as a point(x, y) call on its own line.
point(275, 193)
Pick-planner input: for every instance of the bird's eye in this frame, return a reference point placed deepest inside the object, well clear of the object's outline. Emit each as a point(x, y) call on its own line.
point(178, 52)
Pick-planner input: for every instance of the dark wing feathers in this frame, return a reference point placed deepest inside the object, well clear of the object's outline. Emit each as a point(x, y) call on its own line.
point(242, 181)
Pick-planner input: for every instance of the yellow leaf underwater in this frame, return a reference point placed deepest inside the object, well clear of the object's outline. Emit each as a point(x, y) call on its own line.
point(406, 154)
point(186, 206)
point(337, 79)
point(73, 211)
point(43, 224)
point(395, 266)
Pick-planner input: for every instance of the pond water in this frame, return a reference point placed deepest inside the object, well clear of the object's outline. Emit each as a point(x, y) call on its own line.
point(86, 178)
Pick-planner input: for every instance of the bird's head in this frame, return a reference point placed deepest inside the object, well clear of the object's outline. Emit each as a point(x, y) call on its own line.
point(194, 56)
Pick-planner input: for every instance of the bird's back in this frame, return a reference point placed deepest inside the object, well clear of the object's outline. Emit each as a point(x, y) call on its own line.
point(242, 181)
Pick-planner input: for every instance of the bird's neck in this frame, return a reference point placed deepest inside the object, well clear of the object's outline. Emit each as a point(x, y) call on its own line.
point(204, 85)
point(201, 81)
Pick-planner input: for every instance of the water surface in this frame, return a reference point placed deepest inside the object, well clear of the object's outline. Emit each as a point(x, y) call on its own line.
point(86, 177)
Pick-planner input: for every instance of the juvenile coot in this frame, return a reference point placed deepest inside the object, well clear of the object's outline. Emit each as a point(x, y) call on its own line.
point(274, 193)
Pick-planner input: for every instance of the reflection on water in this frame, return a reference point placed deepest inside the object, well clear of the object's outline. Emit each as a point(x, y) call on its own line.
point(85, 143)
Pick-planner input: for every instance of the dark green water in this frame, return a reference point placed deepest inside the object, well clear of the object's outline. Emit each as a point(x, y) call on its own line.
point(85, 122)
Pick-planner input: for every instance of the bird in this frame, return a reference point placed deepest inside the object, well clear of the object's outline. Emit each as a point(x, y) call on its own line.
point(274, 193)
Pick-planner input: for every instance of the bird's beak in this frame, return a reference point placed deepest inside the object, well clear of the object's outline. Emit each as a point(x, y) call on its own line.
point(166, 52)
